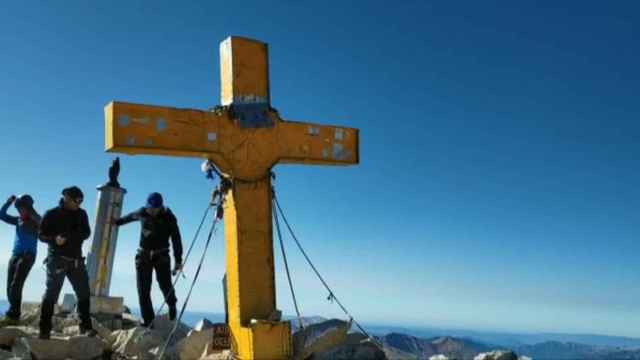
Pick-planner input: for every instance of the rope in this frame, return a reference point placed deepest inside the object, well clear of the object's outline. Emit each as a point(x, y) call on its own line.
point(286, 264)
point(332, 296)
point(193, 283)
point(186, 258)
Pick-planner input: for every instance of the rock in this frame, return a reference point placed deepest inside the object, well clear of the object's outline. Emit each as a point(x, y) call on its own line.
point(8, 335)
point(224, 355)
point(497, 355)
point(203, 325)
point(319, 338)
point(78, 347)
point(163, 327)
point(364, 350)
point(68, 303)
point(83, 347)
point(193, 346)
point(54, 349)
point(129, 321)
point(21, 349)
point(5, 355)
point(135, 342)
point(104, 333)
point(73, 330)
point(62, 322)
point(438, 357)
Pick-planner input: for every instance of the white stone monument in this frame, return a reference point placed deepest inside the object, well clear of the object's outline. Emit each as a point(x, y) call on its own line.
point(103, 247)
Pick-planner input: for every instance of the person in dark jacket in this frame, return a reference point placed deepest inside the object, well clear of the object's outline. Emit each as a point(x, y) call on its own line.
point(158, 225)
point(25, 246)
point(64, 229)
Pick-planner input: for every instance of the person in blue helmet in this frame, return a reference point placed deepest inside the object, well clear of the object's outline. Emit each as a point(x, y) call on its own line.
point(158, 225)
point(25, 246)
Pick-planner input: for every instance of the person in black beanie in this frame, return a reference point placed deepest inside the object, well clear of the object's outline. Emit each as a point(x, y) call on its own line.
point(64, 228)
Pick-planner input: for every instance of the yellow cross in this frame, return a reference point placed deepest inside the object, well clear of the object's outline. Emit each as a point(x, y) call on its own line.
point(245, 138)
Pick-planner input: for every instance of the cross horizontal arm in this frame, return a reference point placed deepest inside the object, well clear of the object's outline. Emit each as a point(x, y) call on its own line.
point(306, 143)
point(145, 129)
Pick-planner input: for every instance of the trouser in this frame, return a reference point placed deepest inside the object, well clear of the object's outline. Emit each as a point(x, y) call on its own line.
point(58, 268)
point(19, 267)
point(146, 263)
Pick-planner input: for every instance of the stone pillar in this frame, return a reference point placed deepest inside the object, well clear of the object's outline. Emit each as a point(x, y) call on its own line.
point(105, 308)
point(105, 236)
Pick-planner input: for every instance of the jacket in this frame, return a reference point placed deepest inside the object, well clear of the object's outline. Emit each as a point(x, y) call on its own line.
point(156, 230)
point(26, 237)
point(71, 224)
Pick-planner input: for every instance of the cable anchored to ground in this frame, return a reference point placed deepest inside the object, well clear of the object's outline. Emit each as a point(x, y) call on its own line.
point(332, 296)
point(286, 263)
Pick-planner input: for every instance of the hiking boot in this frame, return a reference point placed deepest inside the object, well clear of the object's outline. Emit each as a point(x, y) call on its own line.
point(9, 321)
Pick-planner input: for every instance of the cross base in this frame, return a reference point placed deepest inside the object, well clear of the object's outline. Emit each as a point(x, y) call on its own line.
point(262, 340)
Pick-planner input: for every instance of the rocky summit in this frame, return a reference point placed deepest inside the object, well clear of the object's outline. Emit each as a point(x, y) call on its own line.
point(330, 339)
point(322, 340)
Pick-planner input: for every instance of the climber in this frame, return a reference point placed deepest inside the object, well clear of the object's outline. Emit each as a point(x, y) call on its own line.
point(64, 228)
point(158, 224)
point(25, 246)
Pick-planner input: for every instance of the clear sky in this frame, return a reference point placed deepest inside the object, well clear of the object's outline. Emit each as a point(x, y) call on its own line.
point(498, 187)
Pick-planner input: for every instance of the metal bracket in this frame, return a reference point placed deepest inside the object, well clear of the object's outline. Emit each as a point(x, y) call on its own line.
point(252, 115)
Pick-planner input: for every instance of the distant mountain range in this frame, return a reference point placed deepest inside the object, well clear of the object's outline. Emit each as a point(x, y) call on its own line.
point(511, 340)
point(401, 346)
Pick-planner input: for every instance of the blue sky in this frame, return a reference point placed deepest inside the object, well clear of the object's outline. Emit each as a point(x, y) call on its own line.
point(498, 187)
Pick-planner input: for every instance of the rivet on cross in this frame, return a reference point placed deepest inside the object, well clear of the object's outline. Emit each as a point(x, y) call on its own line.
point(245, 138)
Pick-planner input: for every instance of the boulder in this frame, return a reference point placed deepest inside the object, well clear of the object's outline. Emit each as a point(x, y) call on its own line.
point(9, 335)
point(135, 342)
point(203, 324)
point(83, 347)
point(129, 321)
point(73, 330)
point(62, 322)
point(497, 355)
point(318, 338)
point(21, 349)
point(194, 346)
point(6, 355)
point(104, 333)
point(77, 347)
point(162, 326)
